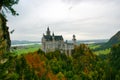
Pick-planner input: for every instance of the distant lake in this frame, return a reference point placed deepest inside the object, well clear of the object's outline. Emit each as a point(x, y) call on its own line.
point(27, 44)
point(91, 41)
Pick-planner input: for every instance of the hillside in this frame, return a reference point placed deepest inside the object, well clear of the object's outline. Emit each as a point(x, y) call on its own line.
point(113, 40)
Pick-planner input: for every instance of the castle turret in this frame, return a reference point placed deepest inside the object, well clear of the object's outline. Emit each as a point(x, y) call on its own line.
point(53, 36)
point(48, 32)
point(74, 40)
point(43, 34)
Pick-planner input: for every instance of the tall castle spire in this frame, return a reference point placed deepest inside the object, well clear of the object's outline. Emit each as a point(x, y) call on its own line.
point(48, 31)
point(53, 34)
point(74, 40)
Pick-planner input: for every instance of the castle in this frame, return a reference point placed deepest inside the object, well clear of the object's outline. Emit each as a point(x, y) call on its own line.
point(56, 42)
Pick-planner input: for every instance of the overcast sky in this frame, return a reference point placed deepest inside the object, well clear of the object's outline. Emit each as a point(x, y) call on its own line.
point(87, 19)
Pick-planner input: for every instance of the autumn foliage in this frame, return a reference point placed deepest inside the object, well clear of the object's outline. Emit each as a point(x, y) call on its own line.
point(38, 63)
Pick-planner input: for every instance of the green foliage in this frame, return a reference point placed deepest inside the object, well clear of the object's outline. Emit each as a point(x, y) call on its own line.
point(69, 74)
point(15, 68)
point(13, 76)
point(55, 66)
point(94, 46)
point(97, 49)
point(115, 61)
point(102, 52)
point(60, 75)
point(81, 65)
point(115, 56)
point(8, 6)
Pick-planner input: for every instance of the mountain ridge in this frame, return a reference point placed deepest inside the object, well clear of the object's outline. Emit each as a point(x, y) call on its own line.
point(115, 39)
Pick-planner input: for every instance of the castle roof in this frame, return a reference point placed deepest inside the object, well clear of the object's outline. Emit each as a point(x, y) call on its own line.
point(50, 38)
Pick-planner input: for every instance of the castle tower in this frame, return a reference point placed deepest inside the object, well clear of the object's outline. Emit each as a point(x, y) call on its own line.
point(53, 41)
point(74, 40)
point(48, 31)
point(53, 36)
point(43, 43)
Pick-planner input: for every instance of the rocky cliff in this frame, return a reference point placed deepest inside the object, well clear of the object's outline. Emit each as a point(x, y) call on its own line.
point(5, 41)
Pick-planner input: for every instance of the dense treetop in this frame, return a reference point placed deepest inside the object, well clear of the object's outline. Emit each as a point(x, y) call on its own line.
point(7, 5)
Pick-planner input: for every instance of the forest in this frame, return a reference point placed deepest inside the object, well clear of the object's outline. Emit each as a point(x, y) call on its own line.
point(83, 64)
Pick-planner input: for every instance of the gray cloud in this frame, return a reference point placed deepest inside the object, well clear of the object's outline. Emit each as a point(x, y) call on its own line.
point(78, 1)
point(88, 19)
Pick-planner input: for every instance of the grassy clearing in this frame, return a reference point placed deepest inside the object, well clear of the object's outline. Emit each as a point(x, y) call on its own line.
point(27, 49)
point(98, 52)
point(93, 46)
